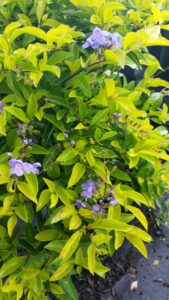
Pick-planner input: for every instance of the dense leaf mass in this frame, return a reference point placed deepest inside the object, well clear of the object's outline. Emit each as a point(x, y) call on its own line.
point(82, 149)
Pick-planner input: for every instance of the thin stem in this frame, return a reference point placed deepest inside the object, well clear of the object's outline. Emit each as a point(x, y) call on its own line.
point(81, 70)
point(161, 72)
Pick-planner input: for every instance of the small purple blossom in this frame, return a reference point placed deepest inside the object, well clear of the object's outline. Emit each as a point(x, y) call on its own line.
point(19, 167)
point(102, 38)
point(27, 142)
point(116, 40)
point(117, 116)
point(1, 106)
point(72, 143)
point(16, 165)
point(80, 204)
point(113, 202)
point(35, 167)
point(89, 188)
point(66, 135)
point(97, 209)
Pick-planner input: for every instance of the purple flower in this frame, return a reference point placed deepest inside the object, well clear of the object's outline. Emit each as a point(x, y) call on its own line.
point(66, 135)
point(97, 209)
point(27, 168)
point(117, 116)
point(89, 188)
point(35, 167)
point(1, 106)
point(113, 202)
point(27, 142)
point(102, 38)
point(116, 40)
point(19, 167)
point(16, 167)
point(72, 143)
point(80, 204)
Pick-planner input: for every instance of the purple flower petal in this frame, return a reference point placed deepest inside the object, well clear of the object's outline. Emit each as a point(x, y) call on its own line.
point(80, 204)
point(113, 202)
point(103, 38)
point(27, 168)
point(17, 170)
point(97, 209)
point(116, 40)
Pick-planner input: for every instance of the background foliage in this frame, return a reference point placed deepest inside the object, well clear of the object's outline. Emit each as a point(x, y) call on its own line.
point(72, 111)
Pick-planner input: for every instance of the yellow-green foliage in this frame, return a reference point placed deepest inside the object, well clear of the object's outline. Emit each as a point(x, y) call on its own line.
point(73, 111)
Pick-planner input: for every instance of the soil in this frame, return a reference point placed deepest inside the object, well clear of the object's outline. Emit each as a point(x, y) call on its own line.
point(124, 267)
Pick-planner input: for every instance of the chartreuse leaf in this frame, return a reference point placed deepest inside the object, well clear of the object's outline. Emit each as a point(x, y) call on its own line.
point(4, 44)
point(90, 158)
point(47, 235)
point(11, 224)
point(28, 273)
point(119, 239)
point(138, 214)
point(29, 189)
point(91, 253)
point(50, 184)
point(39, 33)
point(54, 200)
point(32, 106)
point(75, 222)
point(63, 213)
point(141, 234)
point(32, 181)
point(37, 149)
point(11, 266)
point(108, 224)
point(77, 172)
point(26, 189)
point(40, 10)
point(71, 245)
point(99, 239)
point(12, 286)
point(101, 169)
point(17, 112)
point(22, 213)
point(6, 205)
point(119, 174)
point(69, 288)
point(100, 269)
point(56, 289)
point(67, 154)
point(122, 193)
point(58, 56)
point(100, 116)
point(45, 196)
point(138, 243)
point(62, 271)
point(83, 84)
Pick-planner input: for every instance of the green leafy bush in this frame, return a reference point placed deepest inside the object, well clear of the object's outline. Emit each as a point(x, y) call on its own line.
point(82, 149)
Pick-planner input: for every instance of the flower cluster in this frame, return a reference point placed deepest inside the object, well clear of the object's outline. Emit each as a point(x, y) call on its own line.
point(102, 38)
point(89, 188)
point(19, 167)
